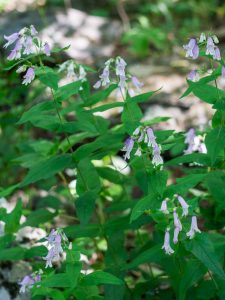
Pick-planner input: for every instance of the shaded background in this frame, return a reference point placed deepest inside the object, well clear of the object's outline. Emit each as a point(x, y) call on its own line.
point(148, 34)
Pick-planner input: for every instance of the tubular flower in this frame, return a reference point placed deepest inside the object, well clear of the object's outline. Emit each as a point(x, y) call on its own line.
point(28, 282)
point(176, 220)
point(166, 246)
point(216, 54)
point(11, 39)
point(194, 142)
point(129, 144)
point(54, 246)
point(46, 49)
point(184, 205)
point(163, 207)
point(157, 158)
point(194, 228)
point(210, 46)
point(223, 72)
point(175, 235)
point(193, 76)
point(192, 49)
point(202, 37)
point(29, 76)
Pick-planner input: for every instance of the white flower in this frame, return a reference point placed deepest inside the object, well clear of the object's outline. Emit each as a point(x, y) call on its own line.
point(163, 207)
point(184, 205)
point(166, 245)
point(202, 37)
point(194, 228)
point(138, 152)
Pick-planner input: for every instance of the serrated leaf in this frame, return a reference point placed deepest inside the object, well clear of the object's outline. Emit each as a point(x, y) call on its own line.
point(100, 277)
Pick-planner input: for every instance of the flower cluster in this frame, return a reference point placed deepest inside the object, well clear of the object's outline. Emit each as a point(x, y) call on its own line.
point(54, 245)
point(146, 136)
point(118, 75)
point(26, 42)
point(74, 72)
point(193, 48)
point(177, 223)
point(194, 142)
point(29, 280)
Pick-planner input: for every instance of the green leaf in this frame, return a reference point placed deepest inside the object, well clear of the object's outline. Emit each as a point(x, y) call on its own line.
point(12, 219)
point(200, 158)
point(87, 177)
point(100, 96)
point(85, 205)
point(76, 231)
point(141, 97)
point(61, 280)
point(215, 143)
point(215, 183)
point(68, 90)
point(13, 254)
point(100, 277)
point(203, 249)
point(131, 116)
point(38, 217)
point(36, 111)
point(154, 254)
point(107, 106)
point(141, 206)
point(47, 76)
point(47, 168)
point(193, 271)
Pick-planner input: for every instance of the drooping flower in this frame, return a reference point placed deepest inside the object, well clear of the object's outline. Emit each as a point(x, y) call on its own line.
point(52, 256)
point(28, 281)
point(157, 158)
point(28, 45)
point(192, 49)
point(129, 144)
point(137, 84)
point(215, 39)
point(46, 49)
point(55, 247)
point(120, 67)
point(193, 76)
point(210, 46)
point(176, 220)
point(202, 37)
point(223, 72)
point(216, 54)
point(194, 227)
point(175, 235)
point(137, 131)
point(16, 52)
point(21, 69)
point(163, 207)
point(166, 246)
point(82, 73)
point(11, 39)
point(97, 84)
point(105, 76)
point(138, 152)
point(194, 142)
point(151, 137)
point(33, 30)
point(184, 205)
point(29, 76)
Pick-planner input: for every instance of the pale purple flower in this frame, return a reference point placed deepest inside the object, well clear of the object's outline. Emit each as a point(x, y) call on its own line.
point(70, 71)
point(166, 246)
point(131, 92)
point(16, 52)
point(216, 54)
point(33, 30)
point(11, 39)
point(163, 207)
point(120, 67)
point(105, 76)
point(28, 45)
point(175, 235)
point(194, 143)
point(157, 158)
point(223, 72)
point(193, 76)
point(29, 76)
point(51, 237)
point(137, 84)
point(28, 282)
point(137, 131)
point(151, 137)
point(97, 84)
point(210, 46)
point(46, 49)
point(141, 137)
point(192, 49)
point(194, 227)
point(202, 37)
point(122, 82)
point(184, 205)
point(129, 144)
point(176, 220)
point(202, 148)
point(52, 256)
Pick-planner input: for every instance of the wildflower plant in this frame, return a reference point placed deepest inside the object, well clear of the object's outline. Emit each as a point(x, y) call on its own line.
point(153, 232)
